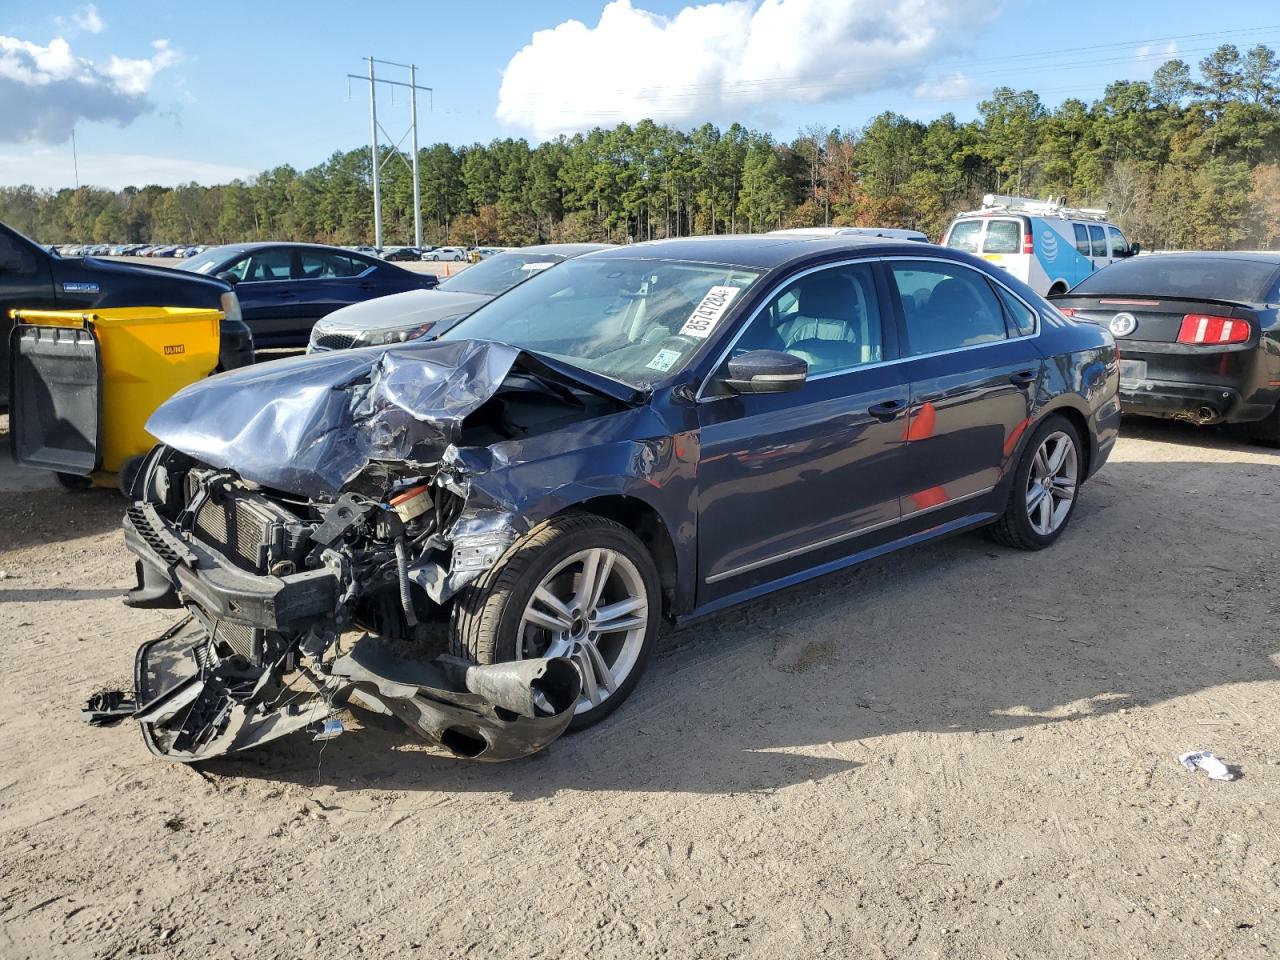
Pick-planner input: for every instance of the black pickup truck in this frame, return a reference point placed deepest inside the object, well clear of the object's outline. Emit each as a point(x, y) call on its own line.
point(34, 278)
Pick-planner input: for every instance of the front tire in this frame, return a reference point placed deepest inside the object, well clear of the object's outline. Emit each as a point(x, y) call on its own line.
point(1045, 489)
point(577, 586)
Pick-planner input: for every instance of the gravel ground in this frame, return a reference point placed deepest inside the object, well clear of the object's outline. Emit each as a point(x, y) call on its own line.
point(957, 751)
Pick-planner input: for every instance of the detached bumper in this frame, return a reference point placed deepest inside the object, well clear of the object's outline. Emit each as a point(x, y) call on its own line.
point(170, 564)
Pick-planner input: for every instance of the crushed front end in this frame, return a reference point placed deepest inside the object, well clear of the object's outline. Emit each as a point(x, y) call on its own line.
point(274, 587)
point(319, 574)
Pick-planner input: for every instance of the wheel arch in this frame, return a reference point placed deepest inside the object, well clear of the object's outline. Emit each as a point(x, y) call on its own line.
point(1080, 421)
point(647, 523)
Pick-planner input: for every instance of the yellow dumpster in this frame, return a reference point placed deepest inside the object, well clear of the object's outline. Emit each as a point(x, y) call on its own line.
point(84, 384)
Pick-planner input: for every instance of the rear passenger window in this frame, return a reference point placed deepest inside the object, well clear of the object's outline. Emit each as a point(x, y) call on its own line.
point(1098, 241)
point(323, 265)
point(1082, 238)
point(1003, 236)
point(1022, 319)
point(946, 307)
point(964, 235)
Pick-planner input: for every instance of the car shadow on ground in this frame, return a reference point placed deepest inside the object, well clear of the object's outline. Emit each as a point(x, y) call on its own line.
point(956, 636)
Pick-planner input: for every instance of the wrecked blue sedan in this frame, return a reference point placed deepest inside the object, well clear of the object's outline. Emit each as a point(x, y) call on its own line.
point(479, 535)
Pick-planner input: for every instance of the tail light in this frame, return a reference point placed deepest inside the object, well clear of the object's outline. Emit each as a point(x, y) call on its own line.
point(1028, 244)
point(1067, 311)
point(1201, 328)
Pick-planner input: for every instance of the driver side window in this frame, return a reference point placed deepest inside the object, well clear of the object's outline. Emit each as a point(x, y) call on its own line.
point(829, 318)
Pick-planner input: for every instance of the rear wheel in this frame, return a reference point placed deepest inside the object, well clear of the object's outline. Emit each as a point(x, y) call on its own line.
point(1266, 431)
point(1046, 483)
point(577, 586)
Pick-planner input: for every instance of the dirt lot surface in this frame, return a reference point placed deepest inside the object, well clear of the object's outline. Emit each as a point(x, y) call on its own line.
point(958, 751)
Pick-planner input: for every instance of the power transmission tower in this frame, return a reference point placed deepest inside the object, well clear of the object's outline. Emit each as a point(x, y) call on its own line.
point(375, 126)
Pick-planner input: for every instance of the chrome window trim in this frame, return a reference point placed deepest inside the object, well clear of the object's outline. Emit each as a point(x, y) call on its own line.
point(847, 535)
point(724, 355)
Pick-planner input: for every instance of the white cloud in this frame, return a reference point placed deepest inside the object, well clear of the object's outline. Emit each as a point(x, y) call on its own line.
point(87, 19)
point(44, 167)
point(720, 59)
point(46, 90)
point(956, 86)
point(1146, 52)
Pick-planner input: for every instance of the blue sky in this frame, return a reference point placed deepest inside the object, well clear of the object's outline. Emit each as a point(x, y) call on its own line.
point(191, 93)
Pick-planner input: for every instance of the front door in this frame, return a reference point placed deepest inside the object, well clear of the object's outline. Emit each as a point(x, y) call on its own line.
point(268, 295)
point(788, 481)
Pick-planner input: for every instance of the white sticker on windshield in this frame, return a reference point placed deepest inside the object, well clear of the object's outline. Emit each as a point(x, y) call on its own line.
point(535, 267)
point(708, 313)
point(664, 360)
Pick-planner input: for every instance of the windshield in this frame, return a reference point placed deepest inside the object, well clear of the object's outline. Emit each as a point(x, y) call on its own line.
point(204, 262)
point(1185, 276)
point(499, 273)
point(638, 321)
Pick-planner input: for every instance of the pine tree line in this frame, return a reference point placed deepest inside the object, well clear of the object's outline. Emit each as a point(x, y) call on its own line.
point(1183, 161)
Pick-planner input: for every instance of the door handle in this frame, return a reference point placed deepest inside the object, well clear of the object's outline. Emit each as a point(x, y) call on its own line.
point(885, 411)
point(285, 294)
point(1023, 378)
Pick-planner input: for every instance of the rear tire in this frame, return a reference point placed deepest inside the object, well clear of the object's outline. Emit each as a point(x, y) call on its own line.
point(1266, 432)
point(553, 561)
point(1028, 523)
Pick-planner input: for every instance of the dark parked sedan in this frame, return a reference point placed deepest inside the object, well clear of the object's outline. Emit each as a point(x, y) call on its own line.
point(284, 288)
point(652, 431)
point(1199, 334)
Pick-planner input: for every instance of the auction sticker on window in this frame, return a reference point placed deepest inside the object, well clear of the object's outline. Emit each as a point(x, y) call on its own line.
point(664, 360)
point(708, 313)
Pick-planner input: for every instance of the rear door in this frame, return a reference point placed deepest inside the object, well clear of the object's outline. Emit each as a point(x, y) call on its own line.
point(328, 280)
point(1002, 245)
point(972, 366)
point(1099, 246)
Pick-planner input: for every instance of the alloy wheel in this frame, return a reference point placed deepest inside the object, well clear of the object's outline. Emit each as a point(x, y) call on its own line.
point(592, 608)
point(1051, 483)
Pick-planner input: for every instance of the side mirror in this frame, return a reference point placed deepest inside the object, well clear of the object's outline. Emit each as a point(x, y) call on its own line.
point(766, 371)
point(228, 276)
point(1135, 249)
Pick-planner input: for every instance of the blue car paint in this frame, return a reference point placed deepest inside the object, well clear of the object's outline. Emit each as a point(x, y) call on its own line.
point(722, 487)
point(657, 455)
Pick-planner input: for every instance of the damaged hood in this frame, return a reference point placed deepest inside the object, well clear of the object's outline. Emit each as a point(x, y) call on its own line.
point(308, 425)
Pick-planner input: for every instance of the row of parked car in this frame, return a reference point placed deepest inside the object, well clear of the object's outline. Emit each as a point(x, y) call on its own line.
point(180, 251)
point(128, 250)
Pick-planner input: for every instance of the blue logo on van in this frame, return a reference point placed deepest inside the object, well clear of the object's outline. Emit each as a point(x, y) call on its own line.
point(1049, 244)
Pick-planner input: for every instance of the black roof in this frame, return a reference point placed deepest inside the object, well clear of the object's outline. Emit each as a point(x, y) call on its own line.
point(1258, 256)
point(766, 251)
point(259, 244)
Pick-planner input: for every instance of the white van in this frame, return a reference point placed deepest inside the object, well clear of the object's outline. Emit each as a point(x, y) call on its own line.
point(1048, 246)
